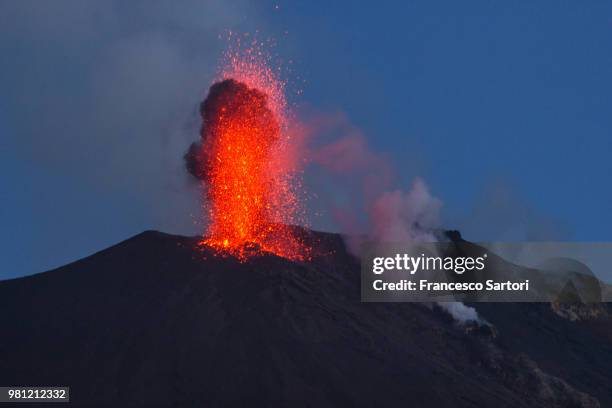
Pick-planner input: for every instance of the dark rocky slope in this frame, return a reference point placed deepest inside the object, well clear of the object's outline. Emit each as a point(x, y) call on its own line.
point(152, 322)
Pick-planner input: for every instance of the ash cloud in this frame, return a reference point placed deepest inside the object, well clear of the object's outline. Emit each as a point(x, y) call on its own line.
point(224, 96)
point(97, 111)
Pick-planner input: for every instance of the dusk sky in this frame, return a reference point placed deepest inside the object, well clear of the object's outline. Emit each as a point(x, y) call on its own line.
point(503, 108)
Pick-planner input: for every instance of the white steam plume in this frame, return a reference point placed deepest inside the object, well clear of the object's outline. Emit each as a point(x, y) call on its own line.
point(392, 215)
point(460, 312)
point(400, 216)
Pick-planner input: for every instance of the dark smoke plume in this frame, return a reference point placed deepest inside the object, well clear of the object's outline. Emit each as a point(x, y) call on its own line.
point(225, 99)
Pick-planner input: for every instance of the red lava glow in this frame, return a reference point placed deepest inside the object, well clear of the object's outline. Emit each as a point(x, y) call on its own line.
point(251, 176)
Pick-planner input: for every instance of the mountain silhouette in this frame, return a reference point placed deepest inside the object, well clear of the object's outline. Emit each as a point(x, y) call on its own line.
point(155, 321)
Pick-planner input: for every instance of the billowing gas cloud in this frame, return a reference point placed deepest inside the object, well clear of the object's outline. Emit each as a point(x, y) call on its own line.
point(399, 216)
point(460, 312)
point(369, 204)
point(391, 214)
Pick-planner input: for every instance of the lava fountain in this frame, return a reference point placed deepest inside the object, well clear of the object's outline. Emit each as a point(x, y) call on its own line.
point(250, 176)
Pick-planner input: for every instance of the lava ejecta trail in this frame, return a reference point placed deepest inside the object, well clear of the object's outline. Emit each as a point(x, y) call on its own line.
point(251, 182)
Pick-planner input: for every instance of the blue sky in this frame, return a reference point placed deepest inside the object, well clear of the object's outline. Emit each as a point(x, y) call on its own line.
point(511, 96)
point(502, 107)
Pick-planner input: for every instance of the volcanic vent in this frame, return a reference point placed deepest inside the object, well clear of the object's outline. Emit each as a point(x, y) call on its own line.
point(251, 185)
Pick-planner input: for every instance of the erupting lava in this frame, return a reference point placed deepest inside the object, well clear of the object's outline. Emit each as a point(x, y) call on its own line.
point(244, 159)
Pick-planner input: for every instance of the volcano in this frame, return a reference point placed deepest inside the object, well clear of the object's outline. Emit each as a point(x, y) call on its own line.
point(153, 322)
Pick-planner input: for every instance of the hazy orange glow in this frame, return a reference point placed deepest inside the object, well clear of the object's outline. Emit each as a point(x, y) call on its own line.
point(252, 184)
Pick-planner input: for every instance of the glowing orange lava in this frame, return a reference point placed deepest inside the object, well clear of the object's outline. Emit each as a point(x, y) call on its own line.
point(251, 181)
